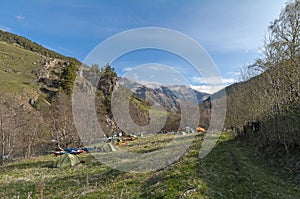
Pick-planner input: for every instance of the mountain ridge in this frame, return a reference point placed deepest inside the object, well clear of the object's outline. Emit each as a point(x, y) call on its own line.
point(169, 95)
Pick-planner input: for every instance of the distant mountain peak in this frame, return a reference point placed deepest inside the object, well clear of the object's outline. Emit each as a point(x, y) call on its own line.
point(170, 96)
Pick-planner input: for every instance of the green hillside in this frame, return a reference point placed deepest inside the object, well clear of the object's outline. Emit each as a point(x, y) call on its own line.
point(21, 61)
point(26, 44)
point(231, 170)
point(17, 69)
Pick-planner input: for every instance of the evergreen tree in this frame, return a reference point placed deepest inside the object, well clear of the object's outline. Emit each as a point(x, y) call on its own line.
point(68, 77)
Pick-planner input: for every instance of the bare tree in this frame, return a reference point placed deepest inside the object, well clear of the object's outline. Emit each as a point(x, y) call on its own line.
point(28, 127)
point(272, 98)
point(246, 73)
point(61, 121)
point(4, 119)
point(282, 43)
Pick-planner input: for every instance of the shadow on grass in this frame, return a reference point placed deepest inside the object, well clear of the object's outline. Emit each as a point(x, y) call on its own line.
point(234, 170)
point(231, 170)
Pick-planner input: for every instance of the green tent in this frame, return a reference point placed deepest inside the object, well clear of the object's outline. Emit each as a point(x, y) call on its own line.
point(67, 160)
point(106, 147)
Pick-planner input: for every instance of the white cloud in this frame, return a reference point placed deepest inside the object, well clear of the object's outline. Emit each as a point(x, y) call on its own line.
point(211, 84)
point(228, 80)
point(20, 17)
point(208, 89)
point(212, 81)
point(127, 69)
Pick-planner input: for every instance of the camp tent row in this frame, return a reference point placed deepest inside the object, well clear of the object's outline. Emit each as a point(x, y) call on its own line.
point(70, 160)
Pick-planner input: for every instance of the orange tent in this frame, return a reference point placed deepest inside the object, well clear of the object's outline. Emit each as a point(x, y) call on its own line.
point(200, 129)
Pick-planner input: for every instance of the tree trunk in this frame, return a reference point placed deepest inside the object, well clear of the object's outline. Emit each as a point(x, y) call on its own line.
point(3, 141)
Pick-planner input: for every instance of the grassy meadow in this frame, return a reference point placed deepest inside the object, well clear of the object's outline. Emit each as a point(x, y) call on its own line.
point(231, 170)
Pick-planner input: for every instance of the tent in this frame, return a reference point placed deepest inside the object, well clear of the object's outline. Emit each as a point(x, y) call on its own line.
point(67, 160)
point(106, 147)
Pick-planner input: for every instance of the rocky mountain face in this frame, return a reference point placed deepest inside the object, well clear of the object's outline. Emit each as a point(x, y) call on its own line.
point(49, 75)
point(105, 84)
point(169, 97)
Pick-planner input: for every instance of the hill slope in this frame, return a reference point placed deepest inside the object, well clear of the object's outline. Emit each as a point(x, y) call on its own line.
point(30, 83)
point(17, 68)
point(26, 44)
point(22, 65)
point(264, 111)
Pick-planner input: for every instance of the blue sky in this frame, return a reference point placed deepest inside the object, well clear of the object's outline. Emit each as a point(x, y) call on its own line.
point(231, 31)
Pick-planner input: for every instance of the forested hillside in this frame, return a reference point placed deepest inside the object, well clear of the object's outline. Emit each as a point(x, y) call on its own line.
point(265, 109)
point(35, 106)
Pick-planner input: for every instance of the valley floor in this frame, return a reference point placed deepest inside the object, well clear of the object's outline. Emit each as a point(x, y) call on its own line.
point(231, 170)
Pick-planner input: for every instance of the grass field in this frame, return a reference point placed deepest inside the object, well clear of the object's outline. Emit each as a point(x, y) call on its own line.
point(17, 68)
point(231, 170)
